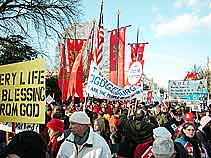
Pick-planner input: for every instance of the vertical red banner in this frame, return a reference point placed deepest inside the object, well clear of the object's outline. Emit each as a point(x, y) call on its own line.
point(62, 76)
point(113, 56)
point(74, 47)
point(121, 58)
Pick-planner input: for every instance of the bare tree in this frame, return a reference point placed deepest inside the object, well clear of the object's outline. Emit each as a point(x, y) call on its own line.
point(43, 16)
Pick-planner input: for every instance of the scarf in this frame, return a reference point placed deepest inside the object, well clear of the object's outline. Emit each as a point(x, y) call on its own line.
point(81, 140)
point(53, 146)
point(195, 143)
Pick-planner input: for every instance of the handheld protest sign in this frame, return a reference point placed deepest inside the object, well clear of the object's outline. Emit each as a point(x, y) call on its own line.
point(22, 92)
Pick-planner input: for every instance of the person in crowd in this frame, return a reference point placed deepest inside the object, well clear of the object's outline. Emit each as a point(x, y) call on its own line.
point(99, 123)
point(56, 134)
point(204, 133)
point(190, 143)
point(188, 117)
point(138, 131)
point(59, 113)
point(115, 136)
point(161, 147)
point(83, 142)
point(26, 144)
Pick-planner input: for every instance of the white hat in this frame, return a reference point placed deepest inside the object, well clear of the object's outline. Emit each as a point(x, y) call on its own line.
point(163, 148)
point(161, 132)
point(205, 120)
point(80, 118)
point(163, 145)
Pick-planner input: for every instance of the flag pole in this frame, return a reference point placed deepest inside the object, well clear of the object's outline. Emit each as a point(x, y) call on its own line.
point(137, 56)
point(117, 48)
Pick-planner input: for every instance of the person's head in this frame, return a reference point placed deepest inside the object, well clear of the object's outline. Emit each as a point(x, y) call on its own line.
point(57, 109)
point(79, 123)
point(139, 114)
point(26, 144)
point(55, 127)
point(164, 109)
point(156, 110)
point(188, 130)
point(189, 117)
point(163, 146)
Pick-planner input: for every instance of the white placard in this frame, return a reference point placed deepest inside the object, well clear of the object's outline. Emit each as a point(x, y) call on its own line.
point(135, 73)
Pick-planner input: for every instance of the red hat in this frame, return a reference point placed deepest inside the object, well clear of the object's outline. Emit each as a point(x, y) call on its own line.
point(189, 117)
point(56, 125)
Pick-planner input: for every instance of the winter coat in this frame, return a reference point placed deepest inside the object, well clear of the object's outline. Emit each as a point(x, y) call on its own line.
point(189, 148)
point(138, 132)
point(94, 147)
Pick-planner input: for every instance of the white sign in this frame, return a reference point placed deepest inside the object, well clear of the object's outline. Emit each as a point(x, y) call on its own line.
point(7, 126)
point(179, 89)
point(100, 87)
point(49, 99)
point(135, 73)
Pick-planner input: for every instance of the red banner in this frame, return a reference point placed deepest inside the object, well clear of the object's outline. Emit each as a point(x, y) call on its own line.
point(76, 84)
point(137, 51)
point(190, 76)
point(62, 76)
point(121, 58)
point(74, 47)
point(113, 56)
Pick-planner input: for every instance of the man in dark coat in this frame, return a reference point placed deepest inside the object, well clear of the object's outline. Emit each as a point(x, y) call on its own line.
point(138, 131)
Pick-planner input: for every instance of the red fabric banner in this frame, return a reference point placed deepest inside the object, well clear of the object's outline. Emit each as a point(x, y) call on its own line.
point(74, 47)
point(113, 56)
point(121, 58)
point(76, 76)
point(190, 76)
point(137, 51)
point(62, 76)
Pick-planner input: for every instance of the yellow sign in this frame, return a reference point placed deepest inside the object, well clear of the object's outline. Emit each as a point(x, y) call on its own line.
point(22, 92)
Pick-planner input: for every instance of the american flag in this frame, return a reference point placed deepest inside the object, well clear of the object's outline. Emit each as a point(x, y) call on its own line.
point(100, 38)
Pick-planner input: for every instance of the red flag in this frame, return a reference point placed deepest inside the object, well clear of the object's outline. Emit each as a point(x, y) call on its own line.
point(190, 76)
point(100, 38)
point(149, 95)
point(74, 47)
point(137, 51)
point(121, 58)
point(113, 56)
point(62, 76)
point(75, 84)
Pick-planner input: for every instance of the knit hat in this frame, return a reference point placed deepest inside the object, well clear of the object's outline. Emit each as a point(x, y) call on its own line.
point(189, 117)
point(80, 118)
point(163, 145)
point(56, 125)
point(161, 132)
point(204, 121)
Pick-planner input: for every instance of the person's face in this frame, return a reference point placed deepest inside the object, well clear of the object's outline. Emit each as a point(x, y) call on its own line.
point(52, 133)
point(189, 131)
point(77, 129)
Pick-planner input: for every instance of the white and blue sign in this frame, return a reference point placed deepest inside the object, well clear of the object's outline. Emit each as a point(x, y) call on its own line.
point(102, 88)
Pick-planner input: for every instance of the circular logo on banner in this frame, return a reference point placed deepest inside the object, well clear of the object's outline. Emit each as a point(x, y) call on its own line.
point(135, 73)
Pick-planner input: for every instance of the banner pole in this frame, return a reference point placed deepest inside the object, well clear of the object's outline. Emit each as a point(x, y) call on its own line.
point(6, 137)
point(13, 128)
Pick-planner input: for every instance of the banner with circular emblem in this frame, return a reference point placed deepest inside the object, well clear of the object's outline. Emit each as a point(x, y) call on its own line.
point(135, 73)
